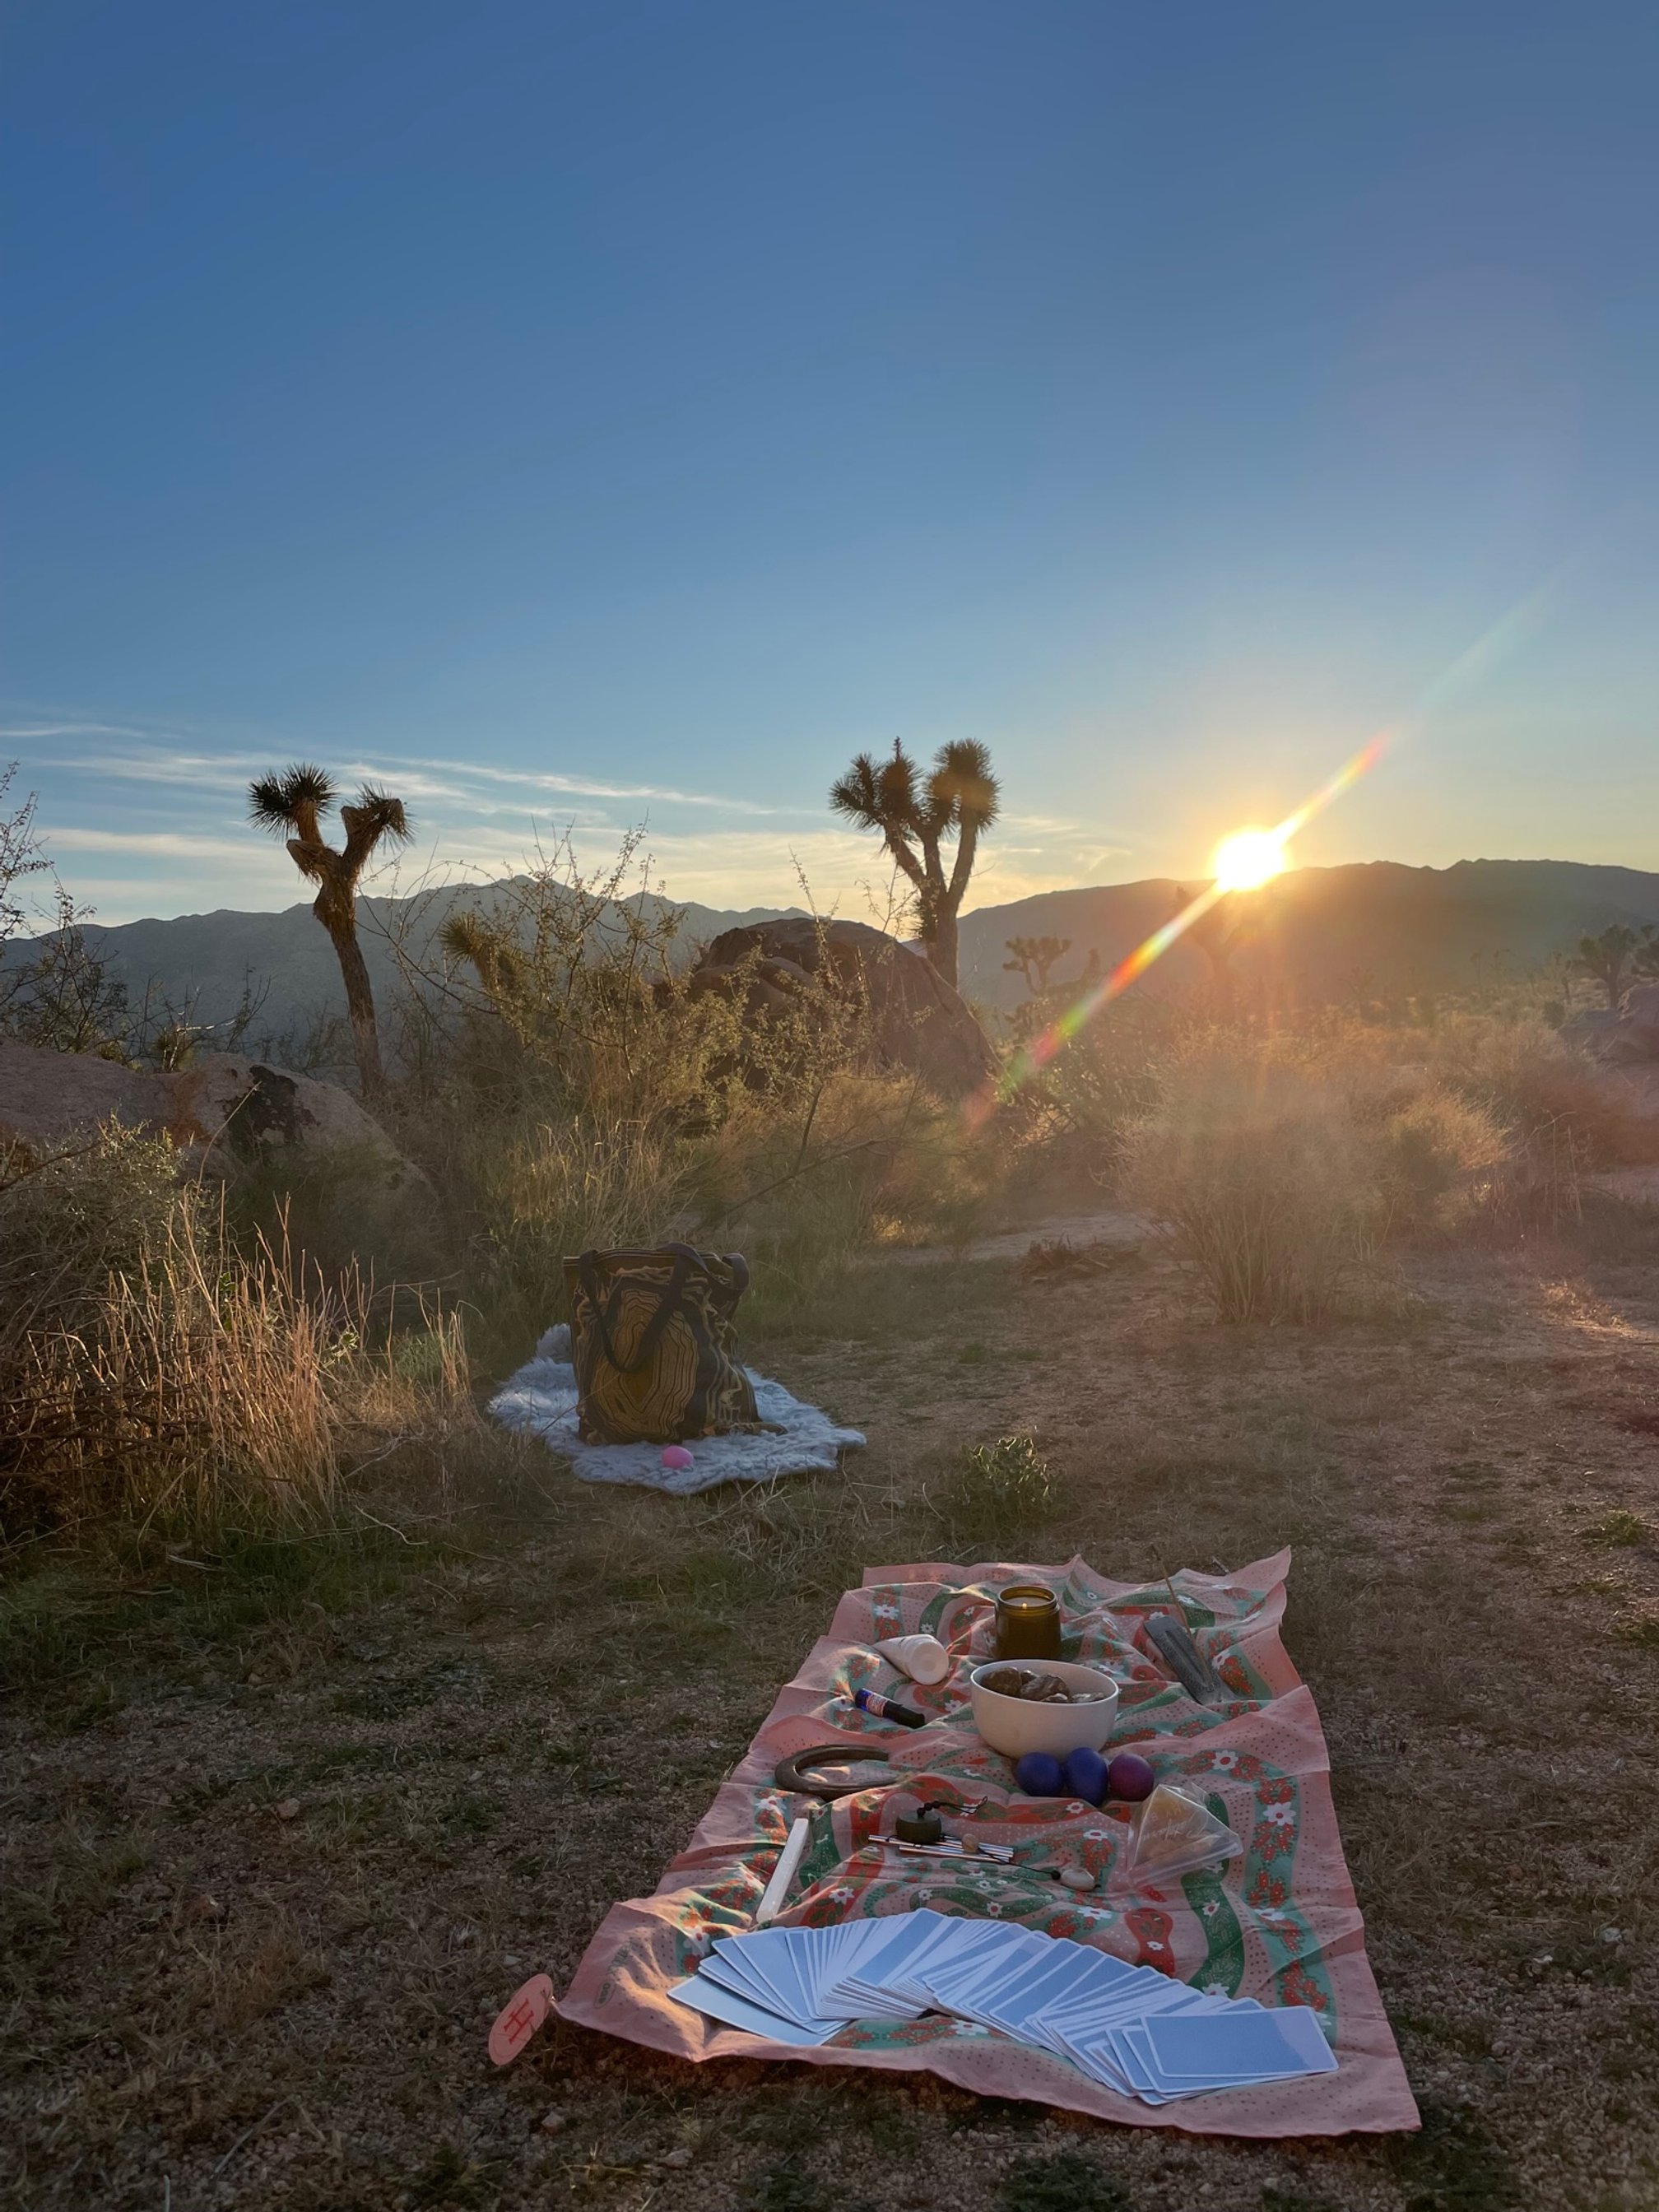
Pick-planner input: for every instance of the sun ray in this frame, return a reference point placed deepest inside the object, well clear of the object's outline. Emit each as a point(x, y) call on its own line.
point(1261, 844)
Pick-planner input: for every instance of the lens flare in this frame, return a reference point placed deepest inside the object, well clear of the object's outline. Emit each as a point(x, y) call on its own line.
point(1233, 875)
point(1032, 1059)
point(1248, 859)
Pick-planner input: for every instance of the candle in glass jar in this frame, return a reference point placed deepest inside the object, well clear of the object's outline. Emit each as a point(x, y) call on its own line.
point(1028, 1622)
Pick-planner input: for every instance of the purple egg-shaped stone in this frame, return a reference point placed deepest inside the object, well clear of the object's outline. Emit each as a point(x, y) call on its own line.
point(1130, 1777)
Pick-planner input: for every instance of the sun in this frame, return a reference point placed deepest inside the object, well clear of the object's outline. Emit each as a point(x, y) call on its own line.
point(1248, 859)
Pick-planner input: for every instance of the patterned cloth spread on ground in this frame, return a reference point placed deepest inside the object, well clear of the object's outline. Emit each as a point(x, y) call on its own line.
point(1280, 1924)
point(540, 1400)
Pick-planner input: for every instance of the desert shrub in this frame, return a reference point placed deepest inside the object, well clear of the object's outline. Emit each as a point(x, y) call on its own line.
point(351, 1211)
point(74, 1215)
point(575, 1087)
point(561, 994)
point(804, 1177)
point(1440, 1157)
point(1072, 1109)
point(1261, 1175)
point(1541, 1086)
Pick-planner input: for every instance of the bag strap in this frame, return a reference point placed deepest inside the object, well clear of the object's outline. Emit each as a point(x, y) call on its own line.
point(670, 1296)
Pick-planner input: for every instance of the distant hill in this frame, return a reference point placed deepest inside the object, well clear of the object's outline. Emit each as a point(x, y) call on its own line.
point(1324, 931)
point(204, 960)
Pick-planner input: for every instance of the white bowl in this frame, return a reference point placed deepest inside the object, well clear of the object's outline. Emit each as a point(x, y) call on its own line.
point(1014, 1725)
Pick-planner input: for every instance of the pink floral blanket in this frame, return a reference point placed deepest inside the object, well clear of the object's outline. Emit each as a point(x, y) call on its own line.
point(1280, 1923)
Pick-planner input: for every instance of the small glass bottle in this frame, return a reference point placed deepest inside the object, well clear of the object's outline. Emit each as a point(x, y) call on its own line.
point(1028, 1622)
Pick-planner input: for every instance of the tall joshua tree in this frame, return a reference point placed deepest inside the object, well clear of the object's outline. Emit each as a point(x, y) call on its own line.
point(295, 801)
point(917, 815)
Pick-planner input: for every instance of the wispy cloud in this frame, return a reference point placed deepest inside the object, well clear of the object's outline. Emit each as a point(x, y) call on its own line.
point(580, 787)
point(166, 844)
point(22, 732)
point(415, 776)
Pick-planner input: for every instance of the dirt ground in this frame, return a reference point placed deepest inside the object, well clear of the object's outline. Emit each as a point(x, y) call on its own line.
point(274, 1855)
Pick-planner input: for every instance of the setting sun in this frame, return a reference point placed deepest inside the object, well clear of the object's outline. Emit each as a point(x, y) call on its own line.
point(1248, 859)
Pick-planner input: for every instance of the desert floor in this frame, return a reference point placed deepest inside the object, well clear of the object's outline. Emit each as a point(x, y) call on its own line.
point(281, 1835)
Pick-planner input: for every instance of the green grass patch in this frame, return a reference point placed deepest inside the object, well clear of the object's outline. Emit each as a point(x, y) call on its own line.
point(1618, 1530)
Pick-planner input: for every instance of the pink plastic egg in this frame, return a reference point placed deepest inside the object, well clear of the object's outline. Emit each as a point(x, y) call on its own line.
point(677, 1457)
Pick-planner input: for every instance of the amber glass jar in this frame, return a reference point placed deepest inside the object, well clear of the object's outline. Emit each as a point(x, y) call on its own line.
point(1028, 1622)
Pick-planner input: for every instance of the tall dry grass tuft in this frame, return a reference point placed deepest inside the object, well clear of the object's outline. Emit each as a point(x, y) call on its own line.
point(1261, 1180)
point(153, 1373)
point(190, 1392)
point(542, 1191)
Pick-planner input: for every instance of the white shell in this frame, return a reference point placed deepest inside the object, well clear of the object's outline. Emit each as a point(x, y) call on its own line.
point(923, 1658)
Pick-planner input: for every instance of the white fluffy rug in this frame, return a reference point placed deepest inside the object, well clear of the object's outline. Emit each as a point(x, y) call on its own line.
point(540, 1400)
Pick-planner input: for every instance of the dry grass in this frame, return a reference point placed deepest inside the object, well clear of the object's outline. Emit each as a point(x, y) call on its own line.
point(1283, 1162)
point(156, 1380)
point(1264, 1182)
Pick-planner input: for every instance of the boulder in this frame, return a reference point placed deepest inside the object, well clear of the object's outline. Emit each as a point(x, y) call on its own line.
point(304, 1154)
point(228, 1114)
point(920, 1022)
point(47, 1097)
point(1629, 1038)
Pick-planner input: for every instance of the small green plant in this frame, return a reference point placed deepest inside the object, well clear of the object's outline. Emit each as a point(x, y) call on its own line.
point(1067, 2183)
point(1641, 1629)
point(1619, 1529)
point(1002, 1490)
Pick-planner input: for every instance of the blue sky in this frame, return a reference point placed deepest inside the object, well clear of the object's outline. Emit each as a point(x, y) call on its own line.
point(596, 413)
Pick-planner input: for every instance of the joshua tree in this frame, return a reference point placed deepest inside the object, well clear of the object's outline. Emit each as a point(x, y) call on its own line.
point(1033, 958)
point(296, 800)
point(956, 800)
point(1616, 958)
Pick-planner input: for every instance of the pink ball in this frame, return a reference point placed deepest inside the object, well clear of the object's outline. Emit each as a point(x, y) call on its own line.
point(677, 1457)
point(1130, 1777)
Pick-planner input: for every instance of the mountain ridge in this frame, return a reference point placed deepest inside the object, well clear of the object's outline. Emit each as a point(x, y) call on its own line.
point(1318, 932)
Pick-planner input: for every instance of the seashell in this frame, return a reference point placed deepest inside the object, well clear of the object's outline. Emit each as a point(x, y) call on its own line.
point(923, 1658)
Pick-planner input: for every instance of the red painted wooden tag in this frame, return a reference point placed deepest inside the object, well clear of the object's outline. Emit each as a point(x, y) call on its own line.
point(518, 2019)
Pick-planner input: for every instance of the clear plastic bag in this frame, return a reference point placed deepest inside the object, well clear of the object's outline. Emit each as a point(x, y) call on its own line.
point(1173, 1834)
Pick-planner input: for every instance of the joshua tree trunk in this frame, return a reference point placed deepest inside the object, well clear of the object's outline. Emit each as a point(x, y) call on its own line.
point(943, 951)
point(359, 1003)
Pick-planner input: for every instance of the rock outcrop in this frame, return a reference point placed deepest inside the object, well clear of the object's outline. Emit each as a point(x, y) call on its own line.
point(1629, 1038)
point(918, 1021)
point(350, 1198)
point(229, 1113)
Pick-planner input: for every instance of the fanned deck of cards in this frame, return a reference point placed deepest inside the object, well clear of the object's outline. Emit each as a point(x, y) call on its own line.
point(1131, 2029)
